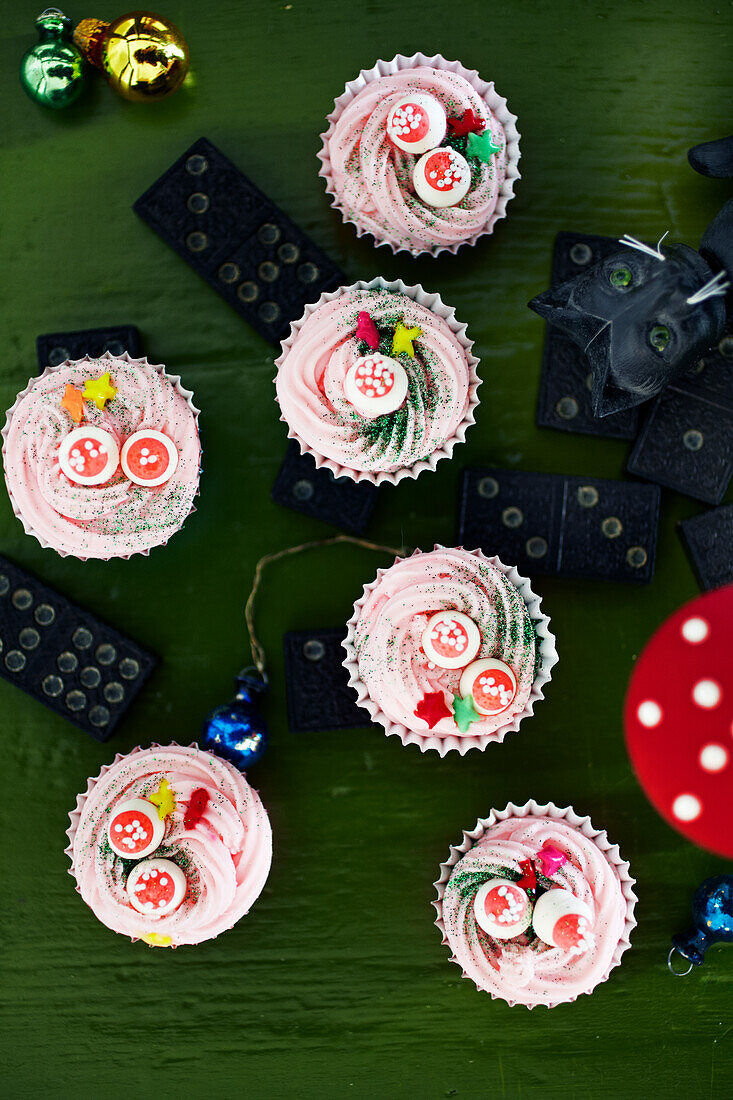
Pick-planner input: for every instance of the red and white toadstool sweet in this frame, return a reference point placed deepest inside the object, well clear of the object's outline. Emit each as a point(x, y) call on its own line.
point(679, 720)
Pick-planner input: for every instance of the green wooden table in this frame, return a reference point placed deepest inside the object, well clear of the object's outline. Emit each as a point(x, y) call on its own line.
point(336, 984)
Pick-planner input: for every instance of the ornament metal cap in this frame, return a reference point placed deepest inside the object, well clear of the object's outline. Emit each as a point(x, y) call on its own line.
point(143, 55)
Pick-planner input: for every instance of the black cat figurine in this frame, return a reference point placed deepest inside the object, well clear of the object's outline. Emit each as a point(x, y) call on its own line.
point(645, 315)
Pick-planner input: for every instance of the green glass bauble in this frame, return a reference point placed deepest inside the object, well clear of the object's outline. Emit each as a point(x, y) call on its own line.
point(52, 72)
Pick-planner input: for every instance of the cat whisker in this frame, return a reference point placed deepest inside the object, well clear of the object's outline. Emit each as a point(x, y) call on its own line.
point(713, 288)
point(632, 242)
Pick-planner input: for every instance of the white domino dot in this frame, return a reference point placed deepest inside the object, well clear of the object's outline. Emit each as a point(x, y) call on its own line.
point(686, 807)
point(649, 713)
point(695, 630)
point(713, 758)
point(706, 693)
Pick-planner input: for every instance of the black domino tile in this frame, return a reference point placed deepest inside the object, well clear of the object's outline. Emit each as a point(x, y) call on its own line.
point(56, 347)
point(708, 539)
point(317, 684)
point(553, 524)
point(237, 239)
point(564, 400)
point(64, 657)
point(686, 440)
point(317, 493)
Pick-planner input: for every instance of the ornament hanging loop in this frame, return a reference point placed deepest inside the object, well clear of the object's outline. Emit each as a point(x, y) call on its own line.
point(678, 973)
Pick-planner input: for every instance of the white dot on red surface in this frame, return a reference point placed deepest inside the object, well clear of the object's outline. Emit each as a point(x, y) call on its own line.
point(713, 758)
point(695, 630)
point(706, 693)
point(649, 713)
point(686, 807)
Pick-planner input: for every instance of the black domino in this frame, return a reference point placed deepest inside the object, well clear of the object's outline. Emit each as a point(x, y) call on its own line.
point(316, 492)
point(66, 658)
point(686, 440)
point(317, 684)
point(56, 347)
point(237, 239)
point(709, 542)
point(559, 525)
point(564, 400)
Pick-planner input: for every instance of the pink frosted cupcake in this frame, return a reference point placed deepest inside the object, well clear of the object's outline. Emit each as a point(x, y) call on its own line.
point(377, 381)
point(102, 456)
point(169, 845)
point(536, 905)
point(449, 650)
point(421, 153)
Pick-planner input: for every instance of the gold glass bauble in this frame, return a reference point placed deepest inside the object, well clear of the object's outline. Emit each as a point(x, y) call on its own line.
point(143, 55)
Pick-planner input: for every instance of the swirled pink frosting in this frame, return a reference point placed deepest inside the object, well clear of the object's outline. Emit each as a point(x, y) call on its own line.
point(118, 518)
point(226, 855)
point(372, 178)
point(391, 619)
point(311, 373)
point(534, 973)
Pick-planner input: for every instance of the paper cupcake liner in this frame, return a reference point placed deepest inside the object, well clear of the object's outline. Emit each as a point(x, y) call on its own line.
point(464, 742)
point(175, 379)
point(436, 305)
point(585, 826)
point(496, 104)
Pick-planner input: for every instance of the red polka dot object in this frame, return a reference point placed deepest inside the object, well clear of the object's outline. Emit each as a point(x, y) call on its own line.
point(502, 909)
point(492, 684)
point(679, 720)
point(89, 456)
point(562, 920)
point(417, 123)
point(149, 458)
point(450, 639)
point(442, 178)
point(134, 829)
point(156, 887)
point(375, 385)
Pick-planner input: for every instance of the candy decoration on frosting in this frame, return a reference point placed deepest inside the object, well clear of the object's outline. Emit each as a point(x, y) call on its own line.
point(99, 390)
point(404, 338)
point(155, 939)
point(442, 177)
point(502, 909)
point(134, 829)
point(482, 146)
point(366, 330)
point(528, 878)
point(376, 384)
point(550, 860)
point(416, 123)
point(89, 456)
point(197, 804)
point(73, 402)
point(156, 887)
point(492, 684)
point(164, 799)
point(468, 123)
point(562, 920)
point(464, 712)
point(451, 640)
point(432, 707)
point(149, 458)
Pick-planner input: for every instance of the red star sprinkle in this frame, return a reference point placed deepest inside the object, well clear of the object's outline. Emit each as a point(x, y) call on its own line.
point(366, 330)
point(432, 708)
point(469, 123)
point(196, 805)
point(528, 881)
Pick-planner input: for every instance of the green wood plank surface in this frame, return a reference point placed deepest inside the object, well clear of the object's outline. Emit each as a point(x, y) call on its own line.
point(336, 984)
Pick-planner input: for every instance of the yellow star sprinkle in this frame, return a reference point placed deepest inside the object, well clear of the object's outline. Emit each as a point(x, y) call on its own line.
point(402, 340)
point(99, 390)
point(164, 799)
point(155, 939)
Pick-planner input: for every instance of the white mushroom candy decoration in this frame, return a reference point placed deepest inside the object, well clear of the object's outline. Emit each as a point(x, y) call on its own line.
point(376, 384)
point(156, 887)
point(417, 123)
point(450, 639)
point(502, 909)
point(491, 683)
point(89, 455)
point(562, 920)
point(135, 828)
point(442, 177)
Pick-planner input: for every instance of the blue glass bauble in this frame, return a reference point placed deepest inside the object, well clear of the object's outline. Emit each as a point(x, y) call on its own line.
point(712, 912)
point(237, 731)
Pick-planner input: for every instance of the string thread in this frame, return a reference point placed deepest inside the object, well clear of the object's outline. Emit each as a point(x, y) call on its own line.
point(258, 652)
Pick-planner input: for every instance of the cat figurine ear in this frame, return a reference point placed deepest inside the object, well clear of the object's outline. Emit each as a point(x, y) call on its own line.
point(713, 158)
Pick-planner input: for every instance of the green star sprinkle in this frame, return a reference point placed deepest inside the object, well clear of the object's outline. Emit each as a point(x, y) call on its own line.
point(482, 146)
point(464, 712)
